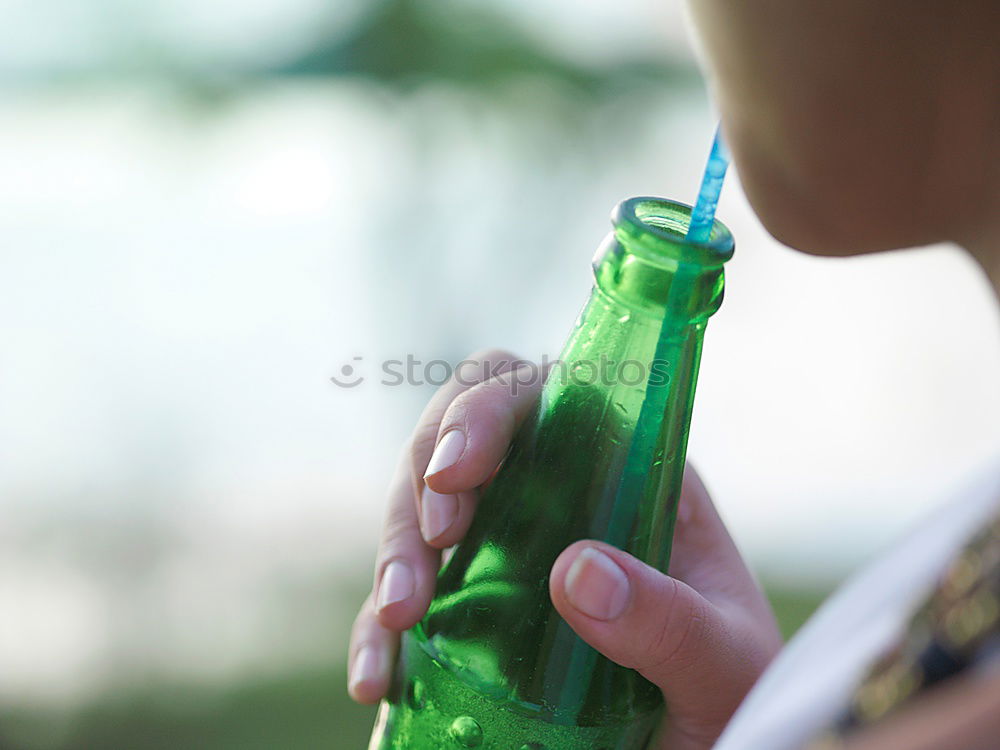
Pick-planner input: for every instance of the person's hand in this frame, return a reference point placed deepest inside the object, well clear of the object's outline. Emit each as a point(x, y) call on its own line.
point(702, 634)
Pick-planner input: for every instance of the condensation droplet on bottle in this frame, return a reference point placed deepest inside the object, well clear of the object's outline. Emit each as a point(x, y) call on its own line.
point(466, 731)
point(532, 746)
point(416, 694)
point(624, 318)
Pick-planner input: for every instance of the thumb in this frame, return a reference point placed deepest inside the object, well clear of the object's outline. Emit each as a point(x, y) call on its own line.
point(703, 657)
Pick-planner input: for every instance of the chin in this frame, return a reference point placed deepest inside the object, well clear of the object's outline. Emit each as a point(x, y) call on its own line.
point(827, 200)
point(819, 220)
point(795, 220)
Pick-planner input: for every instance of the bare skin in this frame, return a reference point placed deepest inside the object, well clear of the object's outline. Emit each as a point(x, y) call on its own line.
point(856, 126)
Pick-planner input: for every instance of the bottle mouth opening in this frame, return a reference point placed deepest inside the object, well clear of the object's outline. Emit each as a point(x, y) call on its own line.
point(657, 228)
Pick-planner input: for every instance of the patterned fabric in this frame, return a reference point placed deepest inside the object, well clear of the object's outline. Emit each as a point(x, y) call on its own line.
point(957, 628)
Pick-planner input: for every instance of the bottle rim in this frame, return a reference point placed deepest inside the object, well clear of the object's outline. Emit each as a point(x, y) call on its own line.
point(656, 228)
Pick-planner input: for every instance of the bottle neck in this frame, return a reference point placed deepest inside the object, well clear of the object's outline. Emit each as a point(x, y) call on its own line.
point(647, 264)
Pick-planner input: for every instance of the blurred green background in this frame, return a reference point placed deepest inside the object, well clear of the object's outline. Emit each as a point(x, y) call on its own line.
point(208, 209)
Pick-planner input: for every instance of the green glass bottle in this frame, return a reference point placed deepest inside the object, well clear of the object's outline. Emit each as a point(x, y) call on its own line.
point(493, 665)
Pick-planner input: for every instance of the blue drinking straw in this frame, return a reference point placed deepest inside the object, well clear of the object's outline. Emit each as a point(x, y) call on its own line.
point(646, 434)
point(703, 213)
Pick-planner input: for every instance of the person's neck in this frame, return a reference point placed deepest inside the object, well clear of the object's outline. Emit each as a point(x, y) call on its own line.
point(992, 272)
point(982, 241)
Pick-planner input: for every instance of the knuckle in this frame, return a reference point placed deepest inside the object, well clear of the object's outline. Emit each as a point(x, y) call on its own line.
point(489, 404)
point(364, 618)
point(492, 355)
point(483, 365)
point(520, 382)
point(469, 405)
point(398, 529)
point(422, 443)
point(675, 640)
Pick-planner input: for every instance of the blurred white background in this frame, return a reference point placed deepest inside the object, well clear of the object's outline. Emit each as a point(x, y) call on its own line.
point(202, 218)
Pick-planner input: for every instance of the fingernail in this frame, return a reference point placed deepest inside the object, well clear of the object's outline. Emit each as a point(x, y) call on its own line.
point(437, 513)
point(596, 585)
point(398, 584)
point(449, 449)
point(367, 667)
